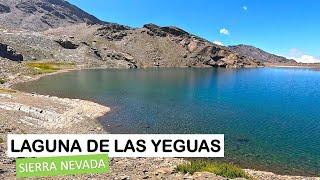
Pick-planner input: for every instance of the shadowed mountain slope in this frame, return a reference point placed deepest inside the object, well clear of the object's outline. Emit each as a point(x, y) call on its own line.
point(38, 15)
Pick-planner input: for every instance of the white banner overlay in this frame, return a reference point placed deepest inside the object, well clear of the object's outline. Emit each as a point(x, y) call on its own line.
point(116, 145)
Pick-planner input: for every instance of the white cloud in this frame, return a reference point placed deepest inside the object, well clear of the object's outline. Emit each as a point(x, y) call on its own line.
point(244, 8)
point(224, 31)
point(218, 43)
point(306, 59)
point(300, 57)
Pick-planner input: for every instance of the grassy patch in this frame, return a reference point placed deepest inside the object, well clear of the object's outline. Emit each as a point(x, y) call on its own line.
point(4, 90)
point(1, 140)
point(218, 168)
point(2, 81)
point(49, 67)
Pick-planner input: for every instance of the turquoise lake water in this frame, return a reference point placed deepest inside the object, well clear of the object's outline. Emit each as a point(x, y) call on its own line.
point(270, 116)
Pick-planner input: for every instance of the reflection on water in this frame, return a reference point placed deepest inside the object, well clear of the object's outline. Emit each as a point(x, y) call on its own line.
point(270, 116)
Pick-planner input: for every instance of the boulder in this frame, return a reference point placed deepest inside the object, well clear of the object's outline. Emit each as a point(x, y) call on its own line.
point(4, 9)
point(9, 53)
point(67, 44)
point(97, 53)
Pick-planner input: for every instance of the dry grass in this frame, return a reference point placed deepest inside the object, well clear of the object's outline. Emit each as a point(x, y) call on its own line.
point(49, 67)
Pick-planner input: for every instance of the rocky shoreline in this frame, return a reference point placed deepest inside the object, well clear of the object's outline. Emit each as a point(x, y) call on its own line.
point(32, 113)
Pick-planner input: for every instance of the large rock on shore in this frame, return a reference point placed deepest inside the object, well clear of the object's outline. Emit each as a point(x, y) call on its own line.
point(9, 53)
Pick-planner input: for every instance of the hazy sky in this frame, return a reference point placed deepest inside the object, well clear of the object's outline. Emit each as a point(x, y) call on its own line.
point(286, 27)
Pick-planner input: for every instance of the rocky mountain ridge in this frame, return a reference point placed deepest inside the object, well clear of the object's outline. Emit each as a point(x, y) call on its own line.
point(39, 15)
point(260, 54)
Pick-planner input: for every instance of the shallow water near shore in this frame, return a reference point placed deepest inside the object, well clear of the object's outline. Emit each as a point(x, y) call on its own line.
point(270, 116)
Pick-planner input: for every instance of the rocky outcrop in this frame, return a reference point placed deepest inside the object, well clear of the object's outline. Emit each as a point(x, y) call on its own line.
point(9, 53)
point(155, 30)
point(164, 31)
point(4, 9)
point(27, 7)
point(185, 49)
point(113, 55)
point(67, 44)
point(112, 32)
point(175, 31)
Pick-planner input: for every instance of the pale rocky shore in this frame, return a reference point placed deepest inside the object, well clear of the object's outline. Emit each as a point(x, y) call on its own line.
point(24, 113)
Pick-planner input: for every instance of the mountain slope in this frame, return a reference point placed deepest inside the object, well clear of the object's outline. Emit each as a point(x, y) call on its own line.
point(39, 15)
point(170, 46)
point(259, 54)
point(61, 32)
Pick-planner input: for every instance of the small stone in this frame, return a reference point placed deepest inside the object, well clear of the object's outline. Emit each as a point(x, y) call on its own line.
point(145, 171)
point(188, 177)
point(124, 177)
point(163, 171)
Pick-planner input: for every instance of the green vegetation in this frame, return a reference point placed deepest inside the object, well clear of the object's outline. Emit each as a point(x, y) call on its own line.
point(49, 67)
point(4, 90)
point(2, 81)
point(218, 168)
point(1, 140)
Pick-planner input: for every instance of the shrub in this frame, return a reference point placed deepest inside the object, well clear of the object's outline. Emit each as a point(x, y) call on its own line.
point(2, 81)
point(219, 168)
